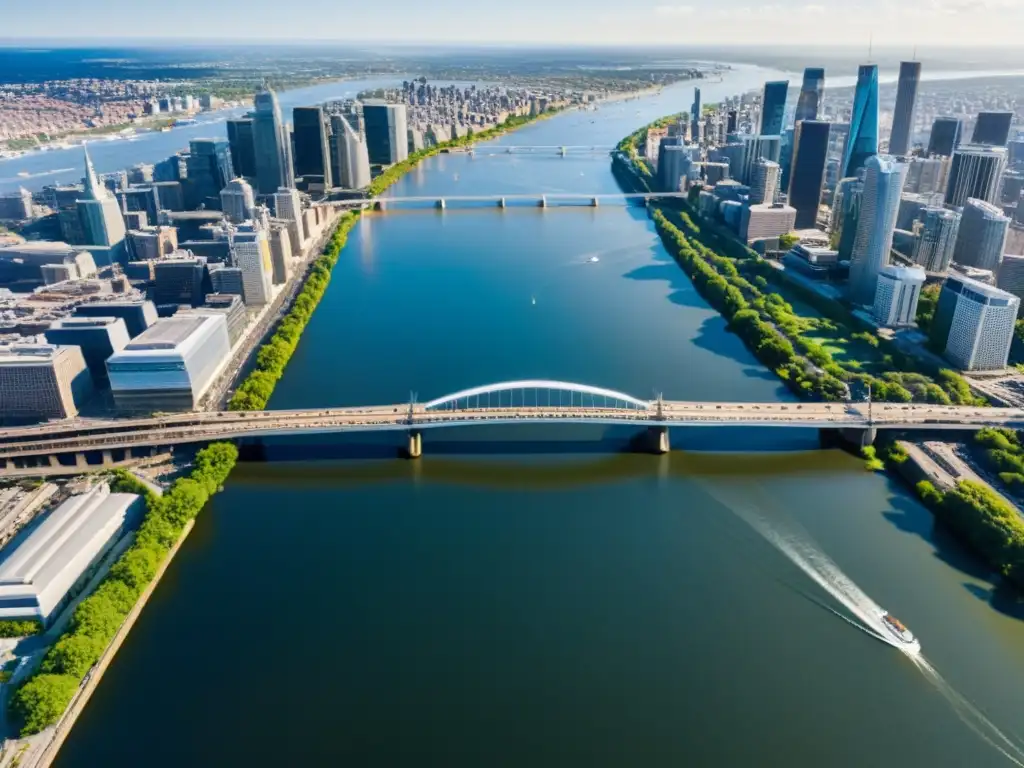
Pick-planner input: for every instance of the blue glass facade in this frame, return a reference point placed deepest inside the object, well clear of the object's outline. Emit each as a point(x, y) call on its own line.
point(773, 107)
point(862, 142)
point(812, 93)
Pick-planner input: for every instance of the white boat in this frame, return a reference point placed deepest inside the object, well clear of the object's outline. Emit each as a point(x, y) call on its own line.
point(593, 260)
point(24, 174)
point(899, 630)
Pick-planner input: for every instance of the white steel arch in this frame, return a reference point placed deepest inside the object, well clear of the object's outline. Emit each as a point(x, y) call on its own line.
point(540, 384)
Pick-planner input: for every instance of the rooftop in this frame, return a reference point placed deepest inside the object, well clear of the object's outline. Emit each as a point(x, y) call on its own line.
point(165, 334)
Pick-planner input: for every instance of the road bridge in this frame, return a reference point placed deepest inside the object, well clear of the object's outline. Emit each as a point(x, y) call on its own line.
point(513, 402)
point(534, 199)
point(520, 149)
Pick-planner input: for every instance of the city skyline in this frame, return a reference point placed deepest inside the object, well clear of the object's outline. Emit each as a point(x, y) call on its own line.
point(959, 23)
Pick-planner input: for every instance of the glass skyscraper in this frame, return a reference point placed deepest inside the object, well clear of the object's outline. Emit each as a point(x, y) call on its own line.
point(945, 136)
point(387, 134)
point(811, 94)
point(270, 145)
point(810, 153)
point(773, 107)
point(243, 152)
point(863, 140)
point(312, 152)
point(903, 115)
point(209, 171)
point(880, 204)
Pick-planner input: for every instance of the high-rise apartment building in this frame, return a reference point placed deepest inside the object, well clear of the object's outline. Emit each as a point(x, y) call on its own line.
point(756, 148)
point(695, 113)
point(243, 148)
point(846, 207)
point(945, 137)
point(903, 115)
point(387, 132)
point(311, 132)
point(812, 93)
point(351, 162)
point(209, 171)
point(810, 154)
point(253, 258)
point(982, 236)
point(973, 324)
point(288, 206)
point(764, 182)
point(992, 129)
point(102, 223)
point(975, 172)
point(883, 183)
point(238, 201)
point(271, 145)
point(933, 249)
point(896, 296)
point(863, 139)
point(773, 107)
point(42, 381)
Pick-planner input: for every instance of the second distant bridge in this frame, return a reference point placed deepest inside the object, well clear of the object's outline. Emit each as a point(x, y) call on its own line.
point(518, 199)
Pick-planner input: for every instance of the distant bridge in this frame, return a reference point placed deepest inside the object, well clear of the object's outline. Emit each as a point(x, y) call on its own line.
point(512, 402)
point(518, 199)
point(519, 149)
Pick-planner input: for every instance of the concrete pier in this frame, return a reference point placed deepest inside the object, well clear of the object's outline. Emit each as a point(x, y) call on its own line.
point(80, 461)
point(108, 458)
point(415, 449)
point(501, 202)
point(543, 201)
point(594, 202)
point(853, 438)
point(441, 205)
point(657, 440)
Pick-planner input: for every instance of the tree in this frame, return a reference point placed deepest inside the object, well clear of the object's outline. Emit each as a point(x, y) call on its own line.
point(42, 700)
point(788, 240)
point(73, 655)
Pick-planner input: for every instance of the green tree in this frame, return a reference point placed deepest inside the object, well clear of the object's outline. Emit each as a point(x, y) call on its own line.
point(73, 655)
point(42, 700)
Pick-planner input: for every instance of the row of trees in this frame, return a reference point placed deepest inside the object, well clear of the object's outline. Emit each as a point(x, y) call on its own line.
point(394, 172)
point(1003, 453)
point(253, 393)
point(41, 700)
point(20, 628)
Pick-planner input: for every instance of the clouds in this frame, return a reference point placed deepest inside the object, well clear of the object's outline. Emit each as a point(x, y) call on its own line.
point(674, 11)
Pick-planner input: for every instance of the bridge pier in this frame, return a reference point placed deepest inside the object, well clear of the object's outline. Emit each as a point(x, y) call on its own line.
point(415, 448)
point(80, 461)
point(854, 438)
point(108, 457)
point(563, 151)
point(441, 205)
point(543, 201)
point(501, 202)
point(594, 202)
point(657, 440)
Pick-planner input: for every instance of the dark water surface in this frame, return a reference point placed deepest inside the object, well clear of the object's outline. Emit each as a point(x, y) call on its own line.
point(560, 603)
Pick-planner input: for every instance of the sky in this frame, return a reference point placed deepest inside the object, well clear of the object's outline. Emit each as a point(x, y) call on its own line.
point(847, 22)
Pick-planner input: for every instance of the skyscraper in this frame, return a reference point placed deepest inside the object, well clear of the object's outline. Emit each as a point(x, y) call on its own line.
point(810, 153)
point(975, 172)
point(695, 112)
point(945, 136)
point(312, 154)
point(903, 115)
point(863, 140)
point(812, 94)
point(102, 223)
point(933, 249)
point(982, 236)
point(387, 134)
point(352, 159)
point(237, 201)
point(764, 182)
point(252, 256)
point(270, 145)
point(773, 107)
point(754, 148)
point(992, 129)
point(209, 171)
point(846, 215)
point(243, 151)
point(883, 182)
point(973, 324)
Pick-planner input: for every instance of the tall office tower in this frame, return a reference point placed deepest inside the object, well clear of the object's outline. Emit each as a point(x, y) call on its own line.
point(209, 171)
point(754, 148)
point(243, 150)
point(1011, 275)
point(387, 133)
point(846, 215)
point(140, 199)
point(270, 145)
point(351, 160)
point(810, 152)
point(180, 281)
point(992, 129)
point(287, 206)
point(312, 152)
point(945, 136)
point(982, 237)
point(765, 182)
point(933, 250)
point(102, 223)
point(926, 175)
point(238, 201)
point(673, 164)
point(1016, 149)
point(883, 183)
point(975, 172)
point(863, 140)
point(695, 113)
point(42, 381)
point(253, 258)
point(973, 324)
point(730, 121)
point(812, 94)
point(903, 115)
point(280, 252)
point(896, 297)
point(773, 107)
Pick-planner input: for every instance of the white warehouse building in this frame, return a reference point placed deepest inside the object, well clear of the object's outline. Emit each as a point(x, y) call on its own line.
point(38, 575)
point(171, 365)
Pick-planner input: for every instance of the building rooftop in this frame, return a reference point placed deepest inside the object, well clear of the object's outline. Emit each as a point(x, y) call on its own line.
point(165, 334)
point(986, 290)
point(85, 322)
point(904, 274)
point(28, 354)
point(37, 574)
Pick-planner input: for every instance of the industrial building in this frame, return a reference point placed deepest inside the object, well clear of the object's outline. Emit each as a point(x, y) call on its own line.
point(973, 324)
point(171, 365)
point(42, 381)
point(39, 575)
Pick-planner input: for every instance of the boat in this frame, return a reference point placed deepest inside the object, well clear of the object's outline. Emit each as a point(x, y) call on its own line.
point(593, 260)
point(899, 630)
point(182, 122)
point(24, 174)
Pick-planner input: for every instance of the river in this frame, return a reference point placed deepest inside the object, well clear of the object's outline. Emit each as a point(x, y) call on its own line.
point(561, 603)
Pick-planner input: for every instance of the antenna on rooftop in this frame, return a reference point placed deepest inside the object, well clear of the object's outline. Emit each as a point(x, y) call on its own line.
point(870, 43)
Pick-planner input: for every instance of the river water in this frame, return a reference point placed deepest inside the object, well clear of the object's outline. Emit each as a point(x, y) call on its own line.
point(533, 596)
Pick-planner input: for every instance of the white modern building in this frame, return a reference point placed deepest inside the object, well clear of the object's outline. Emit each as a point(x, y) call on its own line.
point(238, 201)
point(41, 572)
point(353, 159)
point(880, 202)
point(171, 365)
point(288, 206)
point(973, 324)
point(767, 221)
point(254, 259)
point(764, 181)
point(896, 296)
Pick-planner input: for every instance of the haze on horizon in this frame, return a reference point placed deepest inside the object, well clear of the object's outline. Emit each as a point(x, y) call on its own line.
point(598, 22)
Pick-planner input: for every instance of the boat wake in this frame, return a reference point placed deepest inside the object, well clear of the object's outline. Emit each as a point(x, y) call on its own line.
point(799, 547)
